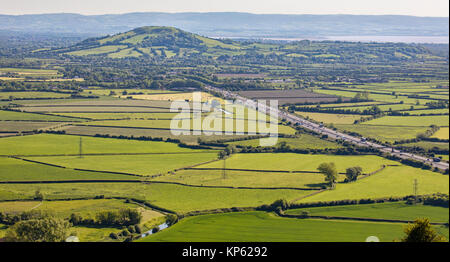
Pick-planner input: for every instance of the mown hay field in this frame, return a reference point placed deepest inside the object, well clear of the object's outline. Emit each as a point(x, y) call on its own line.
point(442, 133)
point(12, 115)
point(252, 179)
point(50, 144)
point(266, 227)
point(174, 197)
point(299, 162)
point(19, 170)
point(330, 118)
point(395, 181)
point(410, 121)
point(395, 210)
point(385, 133)
point(145, 165)
point(304, 141)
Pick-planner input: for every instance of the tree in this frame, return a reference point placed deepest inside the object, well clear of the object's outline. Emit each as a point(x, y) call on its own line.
point(330, 172)
point(49, 229)
point(38, 195)
point(352, 173)
point(421, 231)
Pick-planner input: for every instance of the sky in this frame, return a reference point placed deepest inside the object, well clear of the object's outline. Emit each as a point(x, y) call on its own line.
point(439, 8)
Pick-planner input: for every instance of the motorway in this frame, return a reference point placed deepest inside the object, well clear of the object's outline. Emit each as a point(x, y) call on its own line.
point(280, 114)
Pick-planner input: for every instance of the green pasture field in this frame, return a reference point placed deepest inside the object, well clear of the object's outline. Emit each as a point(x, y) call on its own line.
point(30, 72)
point(135, 164)
point(298, 162)
point(19, 170)
point(3, 229)
point(93, 233)
point(247, 179)
point(63, 209)
point(164, 133)
point(112, 116)
point(444, 157)
point(128, 52)
point(305, 141)
point(31, 94)
point(442, 133)
point(385, 133)
point(106, 92)
point(50, 144)
point(179, 124)
point(330, 118)
point(98, 50)
point(428, 111)
point(396, 181)
point(93, 109)
point(21, 126)
point(174, 197)
point(53, 102)
point(395, 210)
point(388, 98)
point(266, 227)
point(385, 108)
point(346, 105)
point(428, 145)
point(10, 115)
point(410, 121)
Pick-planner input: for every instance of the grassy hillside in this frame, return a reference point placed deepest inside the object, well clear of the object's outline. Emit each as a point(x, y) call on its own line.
point(159, 42)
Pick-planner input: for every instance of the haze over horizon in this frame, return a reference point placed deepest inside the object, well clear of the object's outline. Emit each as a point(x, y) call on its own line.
point(432, 8)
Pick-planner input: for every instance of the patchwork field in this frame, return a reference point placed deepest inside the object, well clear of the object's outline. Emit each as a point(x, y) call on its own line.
point(49, 144)
point(173, 197)
point(10, 115)
point(289, 96)
point(442, 133)
point(252, 179)
point(179, 124)
point(33, 95)
point(175, 97)
point(385, 133)
point(330, 118)
point(19, 170)
point(410, 121)
point(162, 133)
point(299, 162)
point(20, 126)
point(393, 181)
point(265, 227)
point(304, 141)
point(145, 165)
point(396, 210)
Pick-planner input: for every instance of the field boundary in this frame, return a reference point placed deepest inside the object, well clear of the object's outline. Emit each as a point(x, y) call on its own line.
point(356, 219)
point(258, 170)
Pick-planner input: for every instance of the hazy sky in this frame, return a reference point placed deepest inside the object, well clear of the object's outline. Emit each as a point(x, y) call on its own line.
point(367, 7)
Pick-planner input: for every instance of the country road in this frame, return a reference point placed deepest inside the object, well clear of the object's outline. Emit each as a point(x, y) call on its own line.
point(323, 130)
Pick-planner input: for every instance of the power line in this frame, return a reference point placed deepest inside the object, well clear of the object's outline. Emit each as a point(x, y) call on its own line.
point(415, 190)
point(224, 172)
point(81, 148)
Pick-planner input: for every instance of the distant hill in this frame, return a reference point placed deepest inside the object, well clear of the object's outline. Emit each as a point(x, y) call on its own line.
point(161, 42)
point(152, 41)
point(233, 24)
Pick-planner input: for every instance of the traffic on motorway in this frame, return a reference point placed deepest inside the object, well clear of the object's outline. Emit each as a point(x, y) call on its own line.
point(321, 129)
